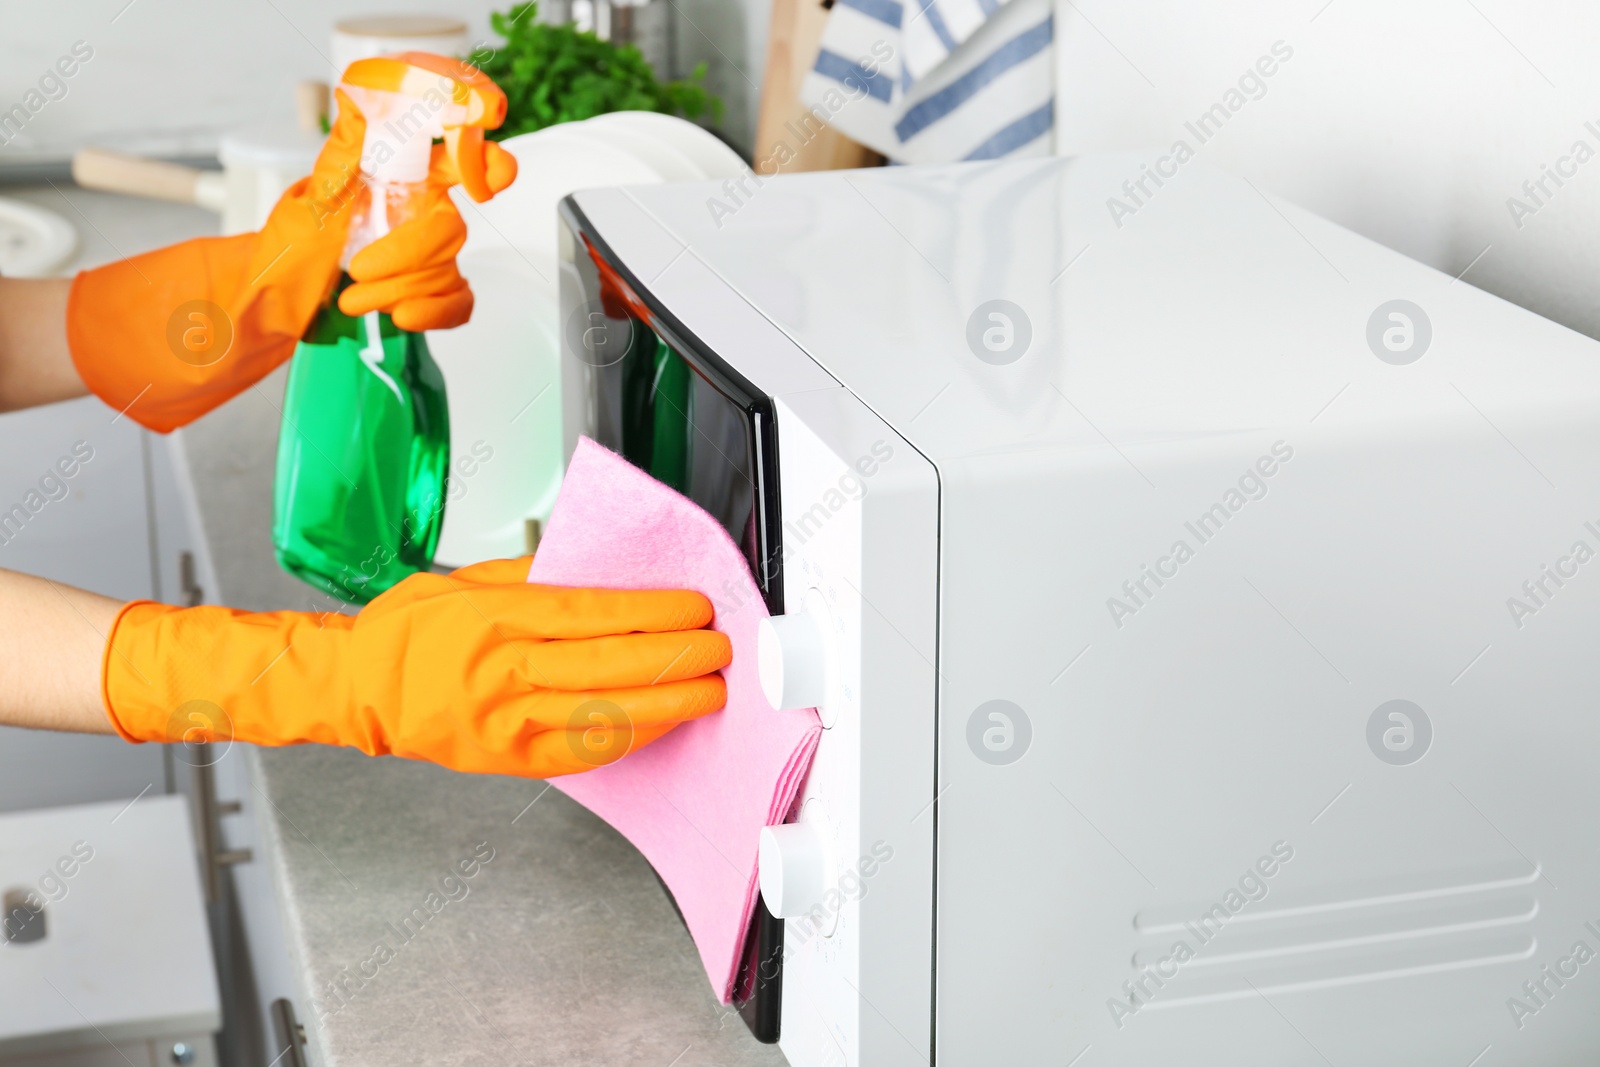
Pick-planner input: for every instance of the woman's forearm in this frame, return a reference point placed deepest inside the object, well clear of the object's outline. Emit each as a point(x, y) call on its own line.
point(52, 637)
point(35, 364)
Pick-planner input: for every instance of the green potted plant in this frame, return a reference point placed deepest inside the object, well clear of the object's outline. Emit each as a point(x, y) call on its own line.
point(556, 73)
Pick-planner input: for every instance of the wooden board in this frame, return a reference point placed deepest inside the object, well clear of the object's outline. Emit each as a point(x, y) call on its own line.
point(792, 47)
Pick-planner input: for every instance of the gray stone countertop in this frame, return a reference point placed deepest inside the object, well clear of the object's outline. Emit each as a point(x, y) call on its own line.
point(560, 949)
point(563, 948)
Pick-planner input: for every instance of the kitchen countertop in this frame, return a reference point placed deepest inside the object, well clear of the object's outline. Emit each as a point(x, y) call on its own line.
point(561, 949)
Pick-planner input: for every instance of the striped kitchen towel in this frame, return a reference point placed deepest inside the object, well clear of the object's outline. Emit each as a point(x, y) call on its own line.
point(931, 81)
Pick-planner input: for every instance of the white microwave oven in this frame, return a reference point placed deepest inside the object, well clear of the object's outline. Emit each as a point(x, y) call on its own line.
point(1196, 596)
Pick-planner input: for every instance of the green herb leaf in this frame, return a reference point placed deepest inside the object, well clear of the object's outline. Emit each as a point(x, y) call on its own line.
point(554, 74)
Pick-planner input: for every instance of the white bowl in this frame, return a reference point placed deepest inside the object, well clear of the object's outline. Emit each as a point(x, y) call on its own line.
point(34, 242)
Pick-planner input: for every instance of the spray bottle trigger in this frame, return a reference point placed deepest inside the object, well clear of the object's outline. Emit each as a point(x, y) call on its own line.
point(464, 144)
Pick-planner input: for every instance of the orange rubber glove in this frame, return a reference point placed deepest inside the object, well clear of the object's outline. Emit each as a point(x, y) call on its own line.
point(476, 670)
point(168, 335)
point(411, 273)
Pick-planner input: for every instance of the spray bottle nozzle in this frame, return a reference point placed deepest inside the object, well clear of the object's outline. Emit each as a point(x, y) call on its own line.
point(410, 98)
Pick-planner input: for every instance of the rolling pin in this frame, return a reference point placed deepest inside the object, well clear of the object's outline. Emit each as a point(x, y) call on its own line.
point(114, 172)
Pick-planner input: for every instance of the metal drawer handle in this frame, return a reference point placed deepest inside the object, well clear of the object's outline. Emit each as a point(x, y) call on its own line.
point(291, 1035)
point(207, 816)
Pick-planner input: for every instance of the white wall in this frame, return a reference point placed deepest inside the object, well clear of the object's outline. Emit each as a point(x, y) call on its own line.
point(167, 76)
point(1413, 122)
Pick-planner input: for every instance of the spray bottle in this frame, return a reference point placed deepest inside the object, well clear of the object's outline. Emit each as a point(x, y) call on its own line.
point(364, 449)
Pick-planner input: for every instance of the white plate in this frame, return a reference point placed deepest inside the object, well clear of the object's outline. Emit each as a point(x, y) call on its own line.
point(502, 370)
point(550, 164)
point(647, 143)
point(611, 147)
point(502, 367)
point(713, 157)
point(34, 243)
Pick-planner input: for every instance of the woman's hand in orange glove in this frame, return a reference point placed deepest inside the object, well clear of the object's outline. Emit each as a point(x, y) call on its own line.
point(168, 335)
point(476, 670)
point(411, 271)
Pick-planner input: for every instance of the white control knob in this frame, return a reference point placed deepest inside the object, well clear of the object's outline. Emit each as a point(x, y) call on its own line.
point(795, 864)
point(792, 660)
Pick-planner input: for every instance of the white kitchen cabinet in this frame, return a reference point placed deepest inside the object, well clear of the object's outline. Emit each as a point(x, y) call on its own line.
point(93, 530)
point(117, 958)
point(120, 527)
point(124, 526)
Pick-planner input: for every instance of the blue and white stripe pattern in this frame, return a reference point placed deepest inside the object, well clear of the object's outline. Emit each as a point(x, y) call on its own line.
point(926, 81)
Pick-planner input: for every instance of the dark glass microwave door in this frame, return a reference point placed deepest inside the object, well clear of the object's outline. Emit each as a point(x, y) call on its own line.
point(674, 424)
point(676, 410)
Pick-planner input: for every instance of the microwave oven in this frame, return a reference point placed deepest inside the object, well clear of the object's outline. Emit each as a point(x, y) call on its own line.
point(1194, 595)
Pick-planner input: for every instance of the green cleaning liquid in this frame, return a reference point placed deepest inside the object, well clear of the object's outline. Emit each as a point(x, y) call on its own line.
point(656, 400)
point(363, 454)
point(364, 449)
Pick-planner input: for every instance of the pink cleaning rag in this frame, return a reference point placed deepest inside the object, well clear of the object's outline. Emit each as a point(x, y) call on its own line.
point(694, 801)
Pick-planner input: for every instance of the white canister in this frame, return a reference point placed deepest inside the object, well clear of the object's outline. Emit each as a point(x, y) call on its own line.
point(376, 35)
point(259, 162)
